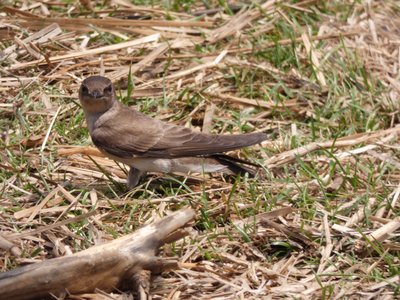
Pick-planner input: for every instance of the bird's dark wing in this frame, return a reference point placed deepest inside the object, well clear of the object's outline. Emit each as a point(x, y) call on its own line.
point(181, 141)
point(127, 134)
point(132, 133)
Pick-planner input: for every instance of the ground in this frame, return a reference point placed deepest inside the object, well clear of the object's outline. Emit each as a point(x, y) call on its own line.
point(319, 77)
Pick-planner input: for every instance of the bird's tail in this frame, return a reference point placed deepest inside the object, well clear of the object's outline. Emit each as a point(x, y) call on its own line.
point(237, 165)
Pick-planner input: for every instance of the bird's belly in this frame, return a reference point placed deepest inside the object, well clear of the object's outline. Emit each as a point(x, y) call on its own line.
point(162, 165)
point(196, 165)
point(168, 165)
point(181, 165)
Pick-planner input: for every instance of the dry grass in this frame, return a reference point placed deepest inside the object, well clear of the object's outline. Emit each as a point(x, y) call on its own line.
point(321, 79)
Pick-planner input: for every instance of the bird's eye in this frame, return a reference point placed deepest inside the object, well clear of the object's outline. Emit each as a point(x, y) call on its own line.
point(108, 88)
point(84, 89)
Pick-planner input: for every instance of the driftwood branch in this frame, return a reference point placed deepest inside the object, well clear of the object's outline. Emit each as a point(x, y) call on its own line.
point(106, 267)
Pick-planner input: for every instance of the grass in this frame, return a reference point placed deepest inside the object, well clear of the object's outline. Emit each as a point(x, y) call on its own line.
point(344, 86)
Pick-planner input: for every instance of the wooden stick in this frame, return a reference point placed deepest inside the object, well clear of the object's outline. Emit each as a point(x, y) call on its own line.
point(105, 267)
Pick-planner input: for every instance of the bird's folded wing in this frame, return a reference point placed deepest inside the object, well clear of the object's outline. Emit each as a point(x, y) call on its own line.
point(139, 135)
point(127, 133)
point(188, 143)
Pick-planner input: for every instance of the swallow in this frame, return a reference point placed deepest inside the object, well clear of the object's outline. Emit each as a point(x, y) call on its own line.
point(150, 145)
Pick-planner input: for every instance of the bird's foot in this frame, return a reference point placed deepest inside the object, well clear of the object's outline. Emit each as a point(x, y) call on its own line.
point(134, 176)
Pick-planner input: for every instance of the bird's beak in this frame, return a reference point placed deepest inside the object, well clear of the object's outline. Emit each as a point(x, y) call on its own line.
point(96, 94)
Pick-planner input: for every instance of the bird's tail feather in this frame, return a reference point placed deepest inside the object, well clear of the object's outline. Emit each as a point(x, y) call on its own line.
point(237, 165)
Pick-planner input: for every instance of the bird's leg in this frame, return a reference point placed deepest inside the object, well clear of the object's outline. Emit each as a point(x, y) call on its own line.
point(134, 177)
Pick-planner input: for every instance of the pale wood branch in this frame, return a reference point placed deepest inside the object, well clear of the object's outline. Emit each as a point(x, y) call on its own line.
point(106, 267)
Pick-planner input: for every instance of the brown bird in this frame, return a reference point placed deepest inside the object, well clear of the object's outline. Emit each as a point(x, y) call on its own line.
point(147, 144)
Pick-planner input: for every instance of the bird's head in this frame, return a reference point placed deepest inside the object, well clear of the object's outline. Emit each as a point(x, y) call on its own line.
point(97, 94)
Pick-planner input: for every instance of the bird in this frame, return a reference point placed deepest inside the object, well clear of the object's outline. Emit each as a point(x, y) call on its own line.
point(146, 144)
